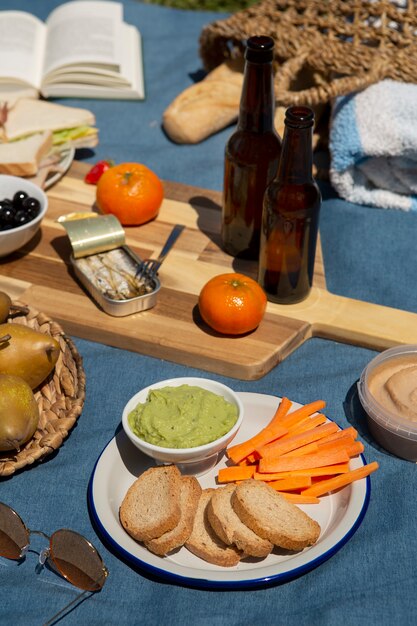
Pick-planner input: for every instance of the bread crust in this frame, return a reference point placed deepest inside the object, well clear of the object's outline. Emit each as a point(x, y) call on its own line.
point(175, 538)
point(203, 541)
point(229, 527)
point(151, 506)
point(272, 517)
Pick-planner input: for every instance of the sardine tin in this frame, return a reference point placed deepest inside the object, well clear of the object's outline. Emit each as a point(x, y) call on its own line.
point(91, 237)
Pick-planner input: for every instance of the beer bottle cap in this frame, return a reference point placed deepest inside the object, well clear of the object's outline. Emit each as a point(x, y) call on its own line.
point(259, 49)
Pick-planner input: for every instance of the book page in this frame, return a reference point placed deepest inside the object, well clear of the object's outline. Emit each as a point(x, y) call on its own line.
point(22, 42)
point(84, 32)
point(82, 81)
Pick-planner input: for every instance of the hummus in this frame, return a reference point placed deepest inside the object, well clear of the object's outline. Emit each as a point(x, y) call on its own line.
point(394, 385)
point(182, 417)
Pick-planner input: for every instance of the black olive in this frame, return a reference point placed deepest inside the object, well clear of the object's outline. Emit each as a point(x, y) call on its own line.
point(18, 198)
point(6, 203)
point(32, 206)
point(7, 213)
point(22, 217)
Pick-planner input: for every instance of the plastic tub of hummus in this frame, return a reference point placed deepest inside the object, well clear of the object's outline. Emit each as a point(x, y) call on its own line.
point(188, 421)
point(388, 393)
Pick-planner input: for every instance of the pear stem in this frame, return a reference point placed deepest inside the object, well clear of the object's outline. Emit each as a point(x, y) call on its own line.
point(15, 308)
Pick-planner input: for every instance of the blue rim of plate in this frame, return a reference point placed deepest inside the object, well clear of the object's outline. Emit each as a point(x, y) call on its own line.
point(201, 583)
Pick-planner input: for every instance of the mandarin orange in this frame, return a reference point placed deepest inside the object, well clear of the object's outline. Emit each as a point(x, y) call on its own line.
point(232, 303)
point(131, 192)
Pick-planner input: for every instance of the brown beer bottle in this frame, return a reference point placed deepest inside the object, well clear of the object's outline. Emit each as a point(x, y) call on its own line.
point(252, 153)
point(291, 215)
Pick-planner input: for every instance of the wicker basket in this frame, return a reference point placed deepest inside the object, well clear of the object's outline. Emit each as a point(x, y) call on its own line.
point(323, 48)
point(60, 399)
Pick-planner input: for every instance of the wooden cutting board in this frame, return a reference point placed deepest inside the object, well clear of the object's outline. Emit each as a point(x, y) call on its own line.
point(40, 275)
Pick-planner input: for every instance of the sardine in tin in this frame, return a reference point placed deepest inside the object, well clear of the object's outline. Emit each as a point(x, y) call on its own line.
point(106, 267)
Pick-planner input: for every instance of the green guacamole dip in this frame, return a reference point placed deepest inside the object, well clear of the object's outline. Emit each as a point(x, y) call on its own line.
point(182, 417)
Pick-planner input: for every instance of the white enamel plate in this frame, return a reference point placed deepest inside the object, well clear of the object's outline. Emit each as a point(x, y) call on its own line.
point(120, 463)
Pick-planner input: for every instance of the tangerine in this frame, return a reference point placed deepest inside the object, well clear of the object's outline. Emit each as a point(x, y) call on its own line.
point(131, 192)
point(232, 303)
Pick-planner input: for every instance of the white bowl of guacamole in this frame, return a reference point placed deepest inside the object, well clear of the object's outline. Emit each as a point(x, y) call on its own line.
point(188, 421)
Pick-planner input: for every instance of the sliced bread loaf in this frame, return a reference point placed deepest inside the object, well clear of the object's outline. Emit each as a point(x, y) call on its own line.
point(203, 541)
point(151, 506)
point(272, 517)
point(189, 497)
point(229, 527)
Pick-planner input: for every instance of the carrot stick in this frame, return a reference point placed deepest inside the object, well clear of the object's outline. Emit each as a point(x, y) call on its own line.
point(235, 472)
point(307, 449)
point(292, 483)
point(272, 431)
point(355, 448)
point(277, 448)
point(349, 431)
point(281, 412)
point(300, 414)
point(307, 424)
point(339, 441)
point(352, 447)
point(289, 463)
point(339, 468)
point(300, 498)
point(341, 480)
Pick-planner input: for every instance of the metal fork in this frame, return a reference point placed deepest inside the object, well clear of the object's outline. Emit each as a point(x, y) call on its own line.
point(150, 267)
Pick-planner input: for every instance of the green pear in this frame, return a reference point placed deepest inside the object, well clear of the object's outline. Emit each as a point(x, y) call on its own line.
point(27, 353)
point(19, 412)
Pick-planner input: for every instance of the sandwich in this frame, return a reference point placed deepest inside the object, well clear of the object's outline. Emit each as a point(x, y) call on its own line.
point(69, 125)
point(23, 157)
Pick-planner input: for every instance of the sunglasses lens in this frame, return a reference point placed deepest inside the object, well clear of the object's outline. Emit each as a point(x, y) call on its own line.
point(14, 535)
point(77, 560)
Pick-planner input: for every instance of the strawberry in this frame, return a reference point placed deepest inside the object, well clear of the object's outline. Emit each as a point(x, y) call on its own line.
point(94, 174)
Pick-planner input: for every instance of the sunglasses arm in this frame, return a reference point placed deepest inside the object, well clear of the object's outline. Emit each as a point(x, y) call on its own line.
point(68, 606)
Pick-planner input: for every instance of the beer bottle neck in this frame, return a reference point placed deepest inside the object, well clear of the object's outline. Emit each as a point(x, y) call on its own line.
point(257, 103)
point(296, 163)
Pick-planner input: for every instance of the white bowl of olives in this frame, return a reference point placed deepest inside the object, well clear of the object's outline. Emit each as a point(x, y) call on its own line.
point(22, 208)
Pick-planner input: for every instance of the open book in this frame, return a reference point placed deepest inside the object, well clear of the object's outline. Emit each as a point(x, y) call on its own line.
point(84, 49)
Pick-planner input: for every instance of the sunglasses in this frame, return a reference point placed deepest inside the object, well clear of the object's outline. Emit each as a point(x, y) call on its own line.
point(70, 554)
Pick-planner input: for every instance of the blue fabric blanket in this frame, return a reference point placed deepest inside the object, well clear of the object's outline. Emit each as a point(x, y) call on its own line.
point(373, 146)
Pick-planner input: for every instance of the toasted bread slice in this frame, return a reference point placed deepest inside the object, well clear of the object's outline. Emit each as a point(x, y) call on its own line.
point(22, 158)
point(151, 506)
point(189, 498)
point(228, 526)
point(203, 541)
point(272, 517)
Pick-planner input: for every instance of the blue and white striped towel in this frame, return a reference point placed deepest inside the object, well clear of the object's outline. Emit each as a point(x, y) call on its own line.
point(373, 146)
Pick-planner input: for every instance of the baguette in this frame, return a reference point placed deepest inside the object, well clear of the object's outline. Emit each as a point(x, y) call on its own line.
point(205, 107)
point(175, 538)
point(203, 541)
point(272, 517)
point(151, 506)
point(228, 526)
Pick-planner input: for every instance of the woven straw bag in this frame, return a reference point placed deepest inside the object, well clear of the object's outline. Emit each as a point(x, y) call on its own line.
point(60, 398)
point(323, 48)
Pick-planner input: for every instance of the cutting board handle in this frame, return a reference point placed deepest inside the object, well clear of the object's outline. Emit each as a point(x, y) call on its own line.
point(362, 323)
